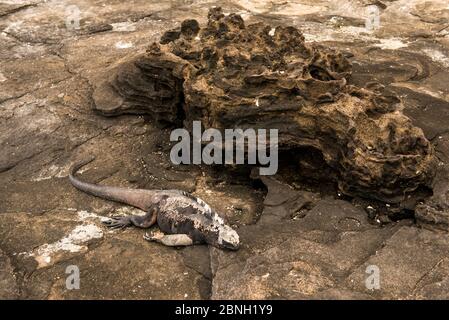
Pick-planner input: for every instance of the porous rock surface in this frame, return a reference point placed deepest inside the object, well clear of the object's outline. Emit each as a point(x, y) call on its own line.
point(229, 75)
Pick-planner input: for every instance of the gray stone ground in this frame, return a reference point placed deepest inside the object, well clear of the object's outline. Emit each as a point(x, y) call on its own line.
point(47, 73)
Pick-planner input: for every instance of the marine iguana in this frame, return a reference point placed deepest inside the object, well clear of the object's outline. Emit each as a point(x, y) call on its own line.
point(183, 218)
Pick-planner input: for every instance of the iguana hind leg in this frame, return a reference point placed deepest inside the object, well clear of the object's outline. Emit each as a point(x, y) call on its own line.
point(171, 240)
point(145, 221)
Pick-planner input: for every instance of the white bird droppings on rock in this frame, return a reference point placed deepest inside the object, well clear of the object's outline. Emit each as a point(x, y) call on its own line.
point(391, 44)
point(84, 215)
point(123, 45)
point(73, 242)
point(123, 26)
point(437, 56)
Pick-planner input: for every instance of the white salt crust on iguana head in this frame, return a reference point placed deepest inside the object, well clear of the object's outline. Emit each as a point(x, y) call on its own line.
point(228, 237)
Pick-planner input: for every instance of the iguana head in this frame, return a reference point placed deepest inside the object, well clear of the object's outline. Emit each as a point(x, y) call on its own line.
point(228, 238)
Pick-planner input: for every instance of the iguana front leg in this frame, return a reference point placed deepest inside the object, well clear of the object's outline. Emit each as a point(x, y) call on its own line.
point(145, 221)
point(171, 240)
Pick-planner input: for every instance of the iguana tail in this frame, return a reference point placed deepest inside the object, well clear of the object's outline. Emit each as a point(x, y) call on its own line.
point(138, 198)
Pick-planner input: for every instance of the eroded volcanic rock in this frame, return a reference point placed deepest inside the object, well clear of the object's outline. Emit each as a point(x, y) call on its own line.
point(144, 85)
point(229, 75)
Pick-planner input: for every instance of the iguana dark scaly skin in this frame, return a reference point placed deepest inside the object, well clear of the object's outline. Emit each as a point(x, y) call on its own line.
point(183, 218)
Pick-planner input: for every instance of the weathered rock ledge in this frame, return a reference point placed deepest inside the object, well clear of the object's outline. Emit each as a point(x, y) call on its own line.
point(229, 75)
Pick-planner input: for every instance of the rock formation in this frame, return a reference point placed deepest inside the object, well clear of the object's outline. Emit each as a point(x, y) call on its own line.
point(229, 75)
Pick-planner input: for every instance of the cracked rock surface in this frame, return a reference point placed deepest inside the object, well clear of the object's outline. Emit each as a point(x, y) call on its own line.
point(300, 237)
